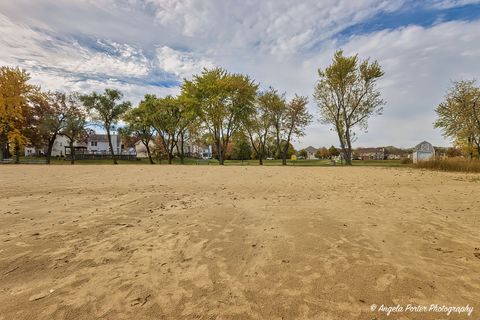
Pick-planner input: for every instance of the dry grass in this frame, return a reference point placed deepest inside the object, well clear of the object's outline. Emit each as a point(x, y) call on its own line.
point(451, 164)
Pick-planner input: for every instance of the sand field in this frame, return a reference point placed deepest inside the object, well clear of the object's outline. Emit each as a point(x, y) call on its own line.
point(204, 242)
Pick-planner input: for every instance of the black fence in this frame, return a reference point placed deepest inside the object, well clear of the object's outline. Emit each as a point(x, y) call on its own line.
point(101, 156)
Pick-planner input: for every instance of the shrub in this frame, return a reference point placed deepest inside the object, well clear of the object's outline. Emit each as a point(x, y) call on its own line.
point(406, 161)
point(451, 164)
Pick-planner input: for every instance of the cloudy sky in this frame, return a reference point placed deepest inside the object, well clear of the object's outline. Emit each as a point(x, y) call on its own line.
point(149, 46)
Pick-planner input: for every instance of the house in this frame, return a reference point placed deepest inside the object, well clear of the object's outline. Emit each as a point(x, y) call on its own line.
point(98, 144)
point(189, 149)
point(311, 151)
point(369, 154)
point(141, 151)
point(58, 149)
point(423, 151)
point(198, 150)
point(206, 152)
point(393, 153)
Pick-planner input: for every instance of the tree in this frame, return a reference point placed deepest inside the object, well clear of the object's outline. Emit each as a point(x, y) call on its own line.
point(322, 153)
point(291, 151)
point(347, 97)
point(459, 116)
point(271, 150)
point(223, 101)
point(303, 153)
point(277, 113)
point(242, 149)
point(106, 109)
point(15, 111)
point(333, 152)
point(454, 152)
point(258, 125)
point(51, 110)
point(139, 124)
point(188, 125)
point(292, 121)
point(75, 128)
point(165, 116)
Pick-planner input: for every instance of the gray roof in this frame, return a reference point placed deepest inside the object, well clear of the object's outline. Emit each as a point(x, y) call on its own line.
point(310, 149)
point(104, 138)
point(424, 146)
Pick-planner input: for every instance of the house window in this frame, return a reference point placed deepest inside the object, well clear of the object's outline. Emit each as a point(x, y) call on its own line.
point(93, 143)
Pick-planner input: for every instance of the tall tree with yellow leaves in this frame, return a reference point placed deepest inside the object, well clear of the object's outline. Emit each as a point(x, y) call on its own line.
point(459, 116)
point(15, 92)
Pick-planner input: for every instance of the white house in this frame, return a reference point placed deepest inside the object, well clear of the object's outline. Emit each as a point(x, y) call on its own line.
point(98, 143)
point(369, 153)
point(189, 149)
point(423, 151)
point(58, 149)
point(311, 151)
point(141, 150)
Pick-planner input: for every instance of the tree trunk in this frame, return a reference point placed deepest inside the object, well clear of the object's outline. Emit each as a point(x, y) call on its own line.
point(260, 160)
point(149, 154)
point(285, 152)
point(72, 153)
point(51, 141)
point(170, 153)
point(111, 146)
point(17, 152)
point(220, 152)
point(181, 153)
point(2, 150)
point(279, 147)
point(348, 153)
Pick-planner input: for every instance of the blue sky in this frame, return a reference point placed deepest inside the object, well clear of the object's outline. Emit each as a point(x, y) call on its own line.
point(149, 46)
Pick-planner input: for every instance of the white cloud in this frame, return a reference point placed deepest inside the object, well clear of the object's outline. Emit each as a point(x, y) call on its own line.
point(445, 4)
point(41, 50)
point(182, 64)
point(419, 65)
point(279, 27)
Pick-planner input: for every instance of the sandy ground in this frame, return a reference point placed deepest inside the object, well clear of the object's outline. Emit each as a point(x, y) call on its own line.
point(200, 242)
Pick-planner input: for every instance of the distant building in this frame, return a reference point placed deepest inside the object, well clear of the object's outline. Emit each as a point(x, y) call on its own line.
point(423, 151)
point(311, 151)
point(189, 149)
point(141, 151)
point(369, 154)
point(393, 153)
point(58, 149)
point(98, 144)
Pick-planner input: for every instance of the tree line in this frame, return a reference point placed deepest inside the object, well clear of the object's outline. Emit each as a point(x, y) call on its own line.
point(216, 104)
point(220, 107)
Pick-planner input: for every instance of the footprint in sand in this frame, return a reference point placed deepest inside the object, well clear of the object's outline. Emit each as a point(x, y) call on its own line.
point(384, 281)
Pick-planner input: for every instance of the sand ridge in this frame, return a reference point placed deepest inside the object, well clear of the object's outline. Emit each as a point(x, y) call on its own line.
point(198, 242)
